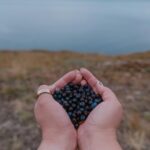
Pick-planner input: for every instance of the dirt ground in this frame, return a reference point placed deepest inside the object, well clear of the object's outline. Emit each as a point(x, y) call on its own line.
point(22, 72)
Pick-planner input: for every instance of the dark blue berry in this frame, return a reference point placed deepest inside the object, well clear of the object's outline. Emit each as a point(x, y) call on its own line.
point(78, 101)
point(78, 95)
point(94, 104)
point(79, 112)
point(82, 103)
point(70, 114)
point(82, 117)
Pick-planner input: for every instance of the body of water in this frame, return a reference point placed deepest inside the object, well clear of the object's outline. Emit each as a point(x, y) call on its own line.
point(111, 27)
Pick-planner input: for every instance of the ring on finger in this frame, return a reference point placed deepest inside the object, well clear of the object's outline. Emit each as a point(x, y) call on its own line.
point(42, 91)
point(99, 83)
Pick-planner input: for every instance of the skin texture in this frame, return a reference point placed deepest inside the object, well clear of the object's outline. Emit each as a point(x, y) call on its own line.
point(95, 133)
point(99, 129)
point(58, 132)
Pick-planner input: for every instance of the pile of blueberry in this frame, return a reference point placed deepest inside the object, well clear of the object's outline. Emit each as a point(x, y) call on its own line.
point(78, 101)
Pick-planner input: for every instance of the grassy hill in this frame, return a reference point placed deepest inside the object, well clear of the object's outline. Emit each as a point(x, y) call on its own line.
point(22, 72)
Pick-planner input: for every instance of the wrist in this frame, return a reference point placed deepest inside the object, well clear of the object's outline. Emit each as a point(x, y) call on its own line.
point(46, 145)
point(58, 141)
point(97, 139)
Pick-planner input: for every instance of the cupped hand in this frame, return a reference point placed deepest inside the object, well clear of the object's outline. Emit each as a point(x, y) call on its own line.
point(57, 130)
point(107, 114)
point(106, 117)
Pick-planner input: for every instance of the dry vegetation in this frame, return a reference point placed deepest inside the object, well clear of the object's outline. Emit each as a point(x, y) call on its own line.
point(22, 72)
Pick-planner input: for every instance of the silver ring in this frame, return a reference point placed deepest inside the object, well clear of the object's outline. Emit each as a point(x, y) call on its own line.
point(100, 83)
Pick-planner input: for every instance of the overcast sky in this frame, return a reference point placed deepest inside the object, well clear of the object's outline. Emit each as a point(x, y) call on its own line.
point(72, 24)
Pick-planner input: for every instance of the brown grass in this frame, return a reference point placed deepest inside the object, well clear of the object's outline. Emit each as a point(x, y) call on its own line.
point(22, 72)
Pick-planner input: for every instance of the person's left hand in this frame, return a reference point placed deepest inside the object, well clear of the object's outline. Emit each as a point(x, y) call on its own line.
point(58, 133)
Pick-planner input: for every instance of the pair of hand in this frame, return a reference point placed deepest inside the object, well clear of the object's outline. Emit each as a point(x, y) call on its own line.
point(97, 132)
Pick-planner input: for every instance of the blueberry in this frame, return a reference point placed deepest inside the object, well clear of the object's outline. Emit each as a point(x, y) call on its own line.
point(59, 96)
point(57, 92)
point(88, 94)
point(74, 99)
point(70, 114)
point(78, 101)
point(97, 100)
point(73, 105)
point(70, 108)
point(67, 98)
point(87, 107)
point(90, 102)
point(86, 113)
point(76, 125)
point(74, 120)
point(78, 95)
point(68, 92)
point(82, 117)
point(64, 94)
point(79, 112)
point(81, 90)
point(55, 96)
point(82, 103)
point(94, 104)
point(85, 86)
point(81, 109)
point(65, 103)
point(82, 99)
point(74, 115)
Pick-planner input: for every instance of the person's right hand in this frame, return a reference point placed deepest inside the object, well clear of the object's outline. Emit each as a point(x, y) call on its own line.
point(101, 124)
point(58, 133)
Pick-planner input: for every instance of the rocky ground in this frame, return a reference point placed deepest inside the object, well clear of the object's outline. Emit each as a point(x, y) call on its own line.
point(22, 72)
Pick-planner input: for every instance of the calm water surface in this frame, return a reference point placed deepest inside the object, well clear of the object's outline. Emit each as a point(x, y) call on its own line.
point(111, 27)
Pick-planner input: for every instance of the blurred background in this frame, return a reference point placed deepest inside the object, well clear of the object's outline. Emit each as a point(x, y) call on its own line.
point(42, 40)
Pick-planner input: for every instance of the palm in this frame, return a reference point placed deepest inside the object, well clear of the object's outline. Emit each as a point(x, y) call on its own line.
point(49, 113)
point(103, 116)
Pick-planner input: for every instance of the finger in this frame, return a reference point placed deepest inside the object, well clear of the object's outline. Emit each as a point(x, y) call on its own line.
point(89, 77)
point(42, 87)
point(42, 102)
point(106, 93)
point(68, 77)
point(78, 77)
point(83, 82)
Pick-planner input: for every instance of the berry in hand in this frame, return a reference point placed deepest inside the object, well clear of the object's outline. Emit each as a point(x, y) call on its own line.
point(78, 101)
